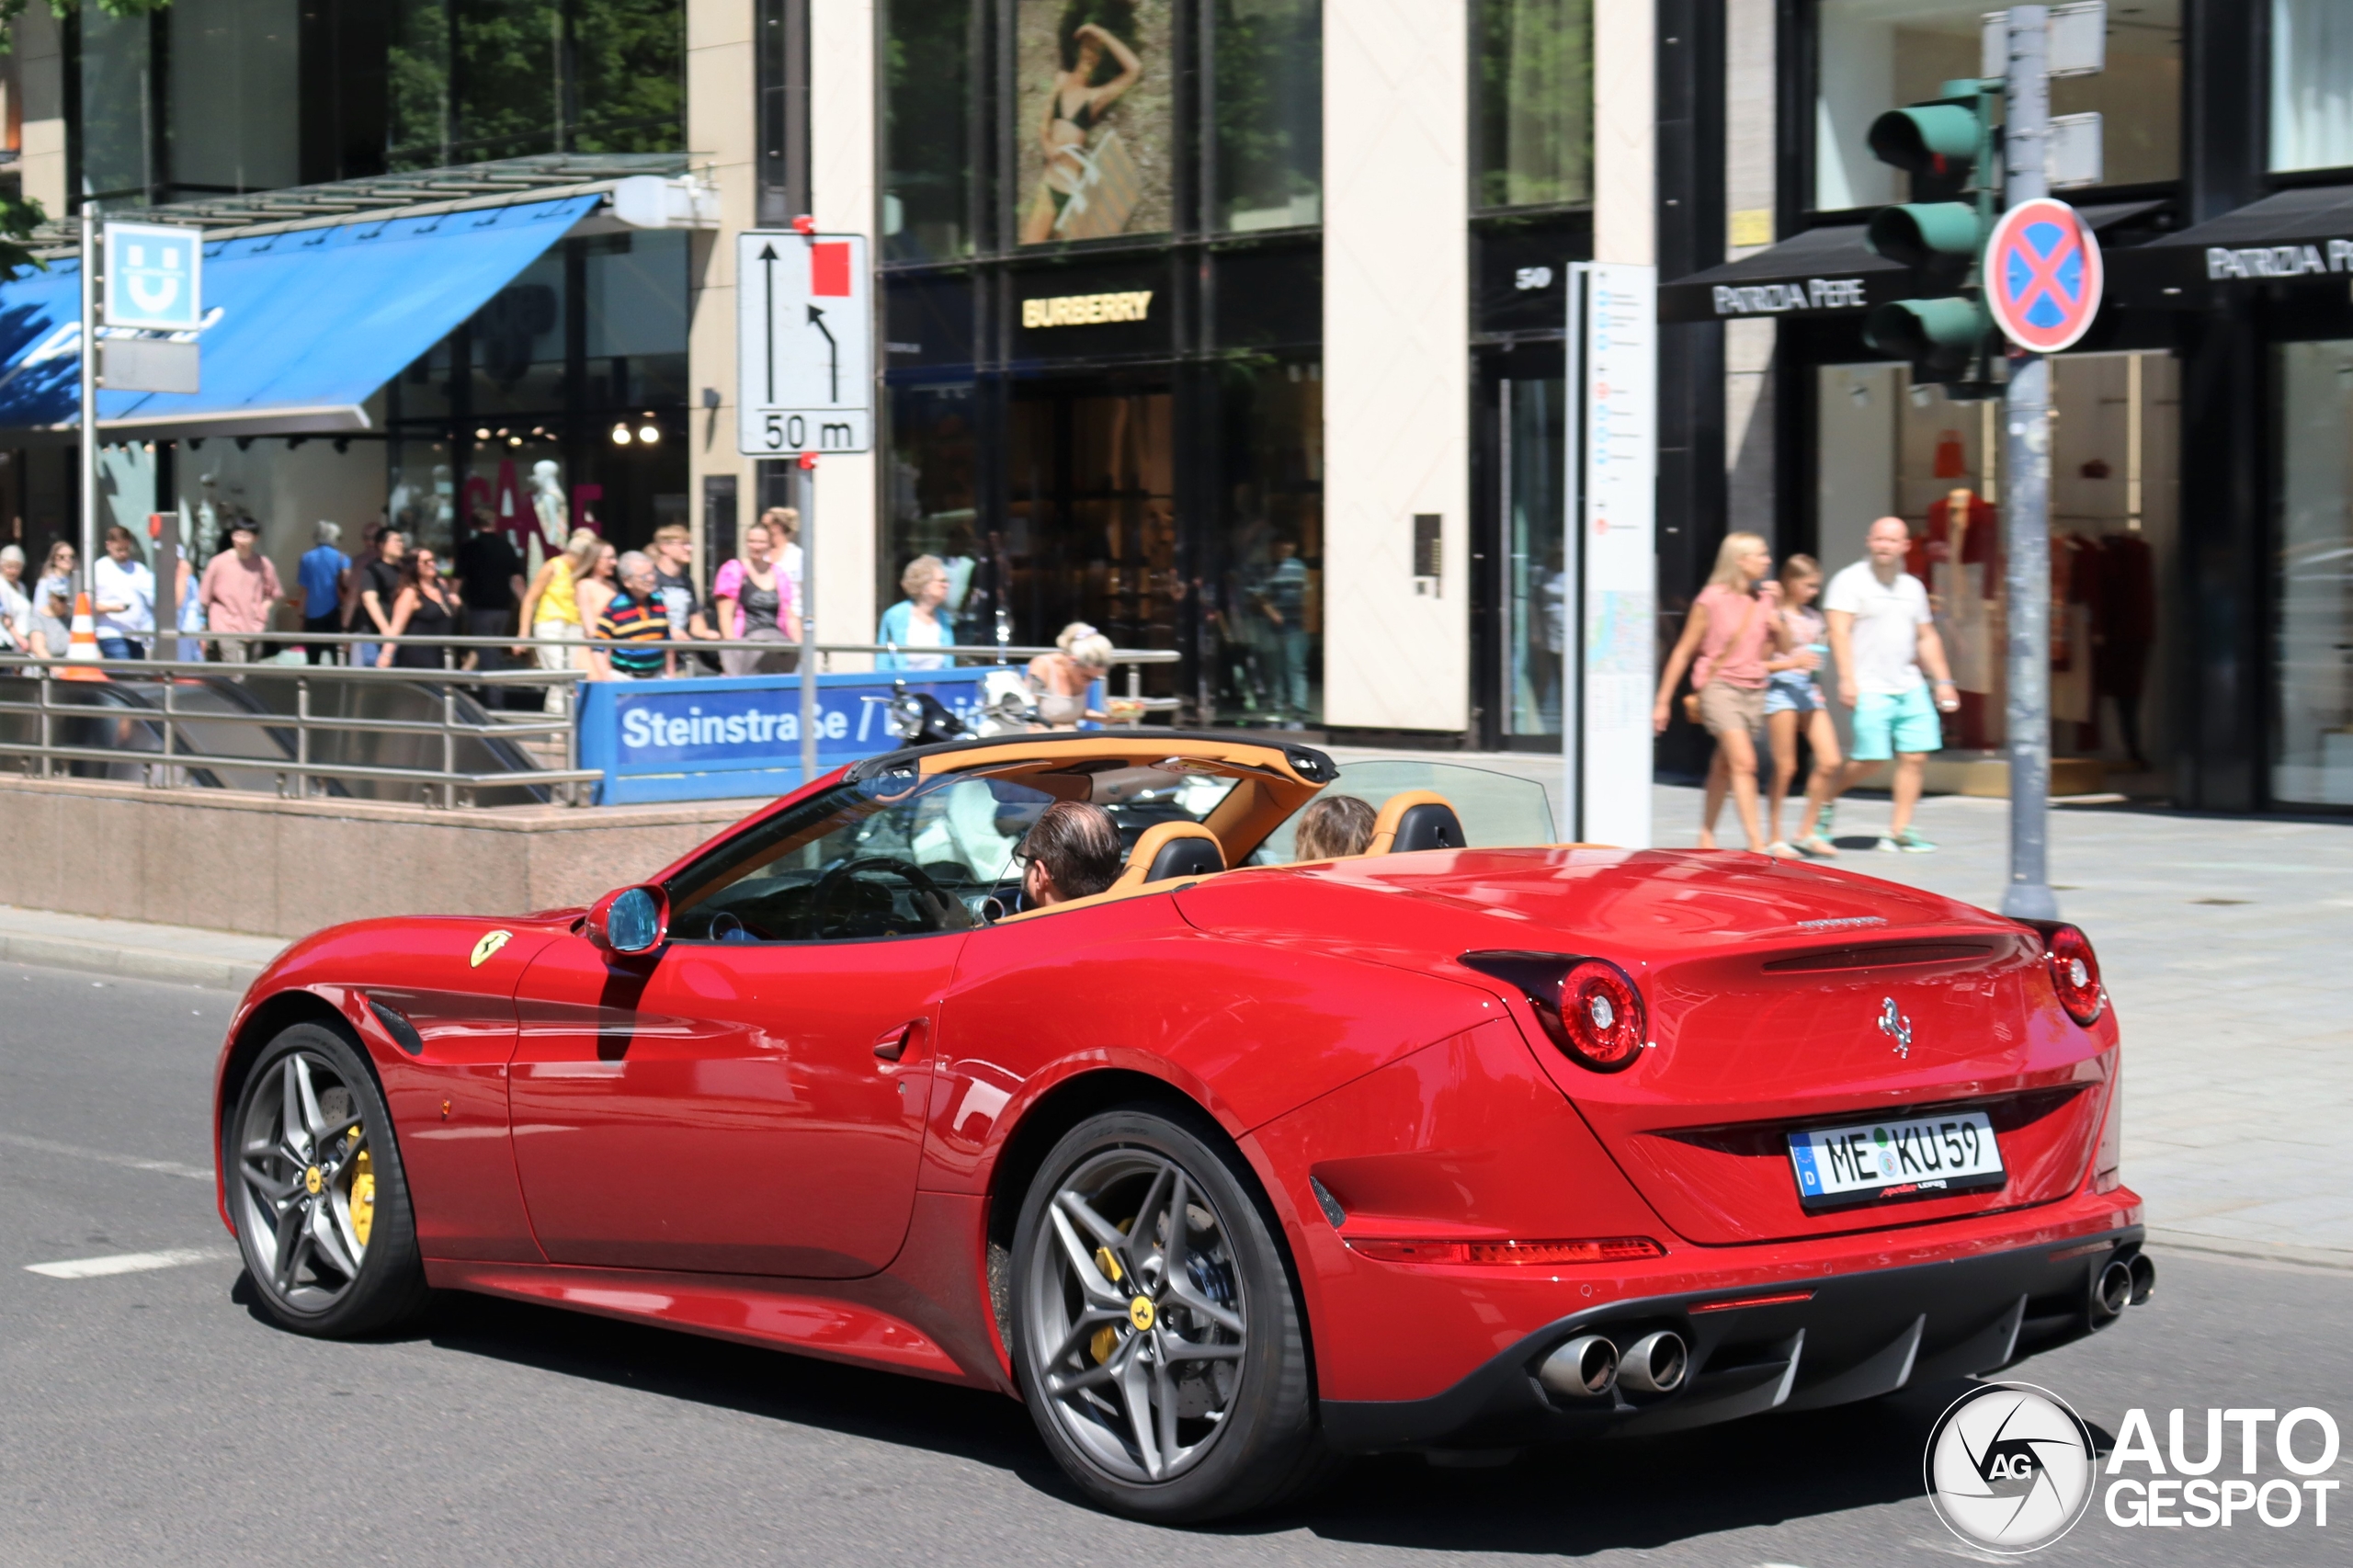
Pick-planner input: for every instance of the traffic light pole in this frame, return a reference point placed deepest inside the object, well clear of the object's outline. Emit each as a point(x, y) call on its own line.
point(2027, 523)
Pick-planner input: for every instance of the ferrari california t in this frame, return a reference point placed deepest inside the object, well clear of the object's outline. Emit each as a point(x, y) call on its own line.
point(1462, 1143)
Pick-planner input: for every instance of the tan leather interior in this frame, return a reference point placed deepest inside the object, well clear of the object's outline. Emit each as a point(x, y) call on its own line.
point(1149, 850)
point(1393, 814)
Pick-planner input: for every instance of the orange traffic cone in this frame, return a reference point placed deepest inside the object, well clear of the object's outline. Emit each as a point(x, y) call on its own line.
point(84, 646)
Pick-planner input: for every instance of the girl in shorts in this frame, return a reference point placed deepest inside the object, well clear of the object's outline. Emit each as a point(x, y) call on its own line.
point(1793, 704)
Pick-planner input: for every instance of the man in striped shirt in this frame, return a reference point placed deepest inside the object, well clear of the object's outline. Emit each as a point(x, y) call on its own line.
point(637, 624)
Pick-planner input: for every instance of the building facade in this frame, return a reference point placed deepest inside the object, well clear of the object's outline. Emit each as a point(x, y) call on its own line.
point(2201, 508)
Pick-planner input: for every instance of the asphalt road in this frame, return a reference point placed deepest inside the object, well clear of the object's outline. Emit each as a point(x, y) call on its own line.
point(154, 1416)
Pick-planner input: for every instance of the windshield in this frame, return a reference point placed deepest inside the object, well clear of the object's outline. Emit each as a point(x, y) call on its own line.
point(892, 858)
point(1498, 810)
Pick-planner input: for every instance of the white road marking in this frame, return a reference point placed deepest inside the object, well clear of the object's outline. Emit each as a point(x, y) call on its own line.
point(105, 1156)
point(127, 1263)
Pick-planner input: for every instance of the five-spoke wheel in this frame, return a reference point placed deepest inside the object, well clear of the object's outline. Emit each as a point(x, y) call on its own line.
point(316, 1188)
point(1159, 1340)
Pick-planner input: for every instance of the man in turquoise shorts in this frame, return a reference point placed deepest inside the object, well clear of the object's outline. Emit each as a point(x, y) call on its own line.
point(1881, 634)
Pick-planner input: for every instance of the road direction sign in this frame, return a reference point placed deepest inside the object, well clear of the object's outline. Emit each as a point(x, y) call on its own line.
point(804, 344)
point(2042, 275)
point(153, 275)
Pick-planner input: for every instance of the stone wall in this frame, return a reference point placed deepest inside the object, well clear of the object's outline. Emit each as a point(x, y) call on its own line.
point(286, 868)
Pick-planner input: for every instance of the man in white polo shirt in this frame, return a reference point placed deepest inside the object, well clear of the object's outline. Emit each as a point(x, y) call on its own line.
point(1881, 634)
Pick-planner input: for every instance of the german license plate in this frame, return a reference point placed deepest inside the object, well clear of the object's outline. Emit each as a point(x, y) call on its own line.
point(1918, 1157)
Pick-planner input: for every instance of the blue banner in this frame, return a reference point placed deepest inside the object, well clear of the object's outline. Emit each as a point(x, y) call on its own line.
point(730, 737)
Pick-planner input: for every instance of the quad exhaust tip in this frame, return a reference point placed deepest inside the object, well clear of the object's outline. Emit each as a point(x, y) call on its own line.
point(1586, 1368)
point(1656, 1363)
point(2123, 1281)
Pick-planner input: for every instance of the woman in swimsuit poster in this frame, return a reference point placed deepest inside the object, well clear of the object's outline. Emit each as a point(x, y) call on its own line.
point(1092, 172)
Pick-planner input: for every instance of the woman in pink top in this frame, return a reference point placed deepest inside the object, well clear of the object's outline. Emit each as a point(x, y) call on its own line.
point(1730, 635)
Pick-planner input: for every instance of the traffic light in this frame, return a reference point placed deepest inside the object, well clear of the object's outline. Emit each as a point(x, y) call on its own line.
point(1946, 145)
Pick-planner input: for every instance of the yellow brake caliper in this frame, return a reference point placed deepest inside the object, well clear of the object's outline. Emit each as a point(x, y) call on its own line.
point(363, 1196)
point(1107, 1338)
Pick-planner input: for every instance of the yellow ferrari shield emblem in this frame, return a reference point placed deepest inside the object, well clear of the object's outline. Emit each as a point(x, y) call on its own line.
point(1140, 1312)
point(489, 945)
point(313, 1180)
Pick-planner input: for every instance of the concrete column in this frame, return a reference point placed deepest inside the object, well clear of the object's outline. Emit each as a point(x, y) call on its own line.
point(1625, 118)
point(841, 183)
point(721, 128)
point(1750, 189)
point(1396, 365)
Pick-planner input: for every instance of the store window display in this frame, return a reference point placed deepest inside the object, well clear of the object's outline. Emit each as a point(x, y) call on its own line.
point(1915, 452)
point(2313, 750)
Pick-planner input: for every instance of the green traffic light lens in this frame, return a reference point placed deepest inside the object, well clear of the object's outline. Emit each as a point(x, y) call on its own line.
point(1919, 233)
point(1930, 139)
point(1926, 329)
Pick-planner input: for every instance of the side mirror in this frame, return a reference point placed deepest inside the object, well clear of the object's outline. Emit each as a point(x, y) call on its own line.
point(633, 920)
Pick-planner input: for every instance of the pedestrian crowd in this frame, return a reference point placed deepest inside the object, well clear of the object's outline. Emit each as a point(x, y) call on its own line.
point(625, 611)
point(1755, 646)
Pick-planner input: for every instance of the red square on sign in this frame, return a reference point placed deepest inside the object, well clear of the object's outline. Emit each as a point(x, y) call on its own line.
point(829, 270)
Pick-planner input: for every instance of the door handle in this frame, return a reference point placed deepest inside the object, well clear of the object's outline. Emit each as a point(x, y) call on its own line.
point(893, 1042)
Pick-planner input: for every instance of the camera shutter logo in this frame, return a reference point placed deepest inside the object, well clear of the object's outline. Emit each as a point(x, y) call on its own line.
point(2010, 1468)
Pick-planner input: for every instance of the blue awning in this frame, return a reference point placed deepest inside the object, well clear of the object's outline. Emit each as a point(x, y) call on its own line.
point(304, 325)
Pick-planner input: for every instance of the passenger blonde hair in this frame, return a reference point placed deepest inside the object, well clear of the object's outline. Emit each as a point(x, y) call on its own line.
point(1333, 826)
point(1728, 573)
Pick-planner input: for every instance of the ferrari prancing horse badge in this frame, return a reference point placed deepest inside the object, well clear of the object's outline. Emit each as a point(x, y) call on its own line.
point(489, 945)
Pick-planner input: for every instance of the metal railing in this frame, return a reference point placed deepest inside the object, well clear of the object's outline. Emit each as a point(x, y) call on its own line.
point(49, 708)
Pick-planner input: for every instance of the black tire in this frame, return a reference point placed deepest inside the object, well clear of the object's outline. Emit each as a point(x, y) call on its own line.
point(1079, 1355)
point(338, 1182)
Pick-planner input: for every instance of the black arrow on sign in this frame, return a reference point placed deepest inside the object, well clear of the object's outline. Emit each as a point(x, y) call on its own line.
point(833, 356)
point(768, 276)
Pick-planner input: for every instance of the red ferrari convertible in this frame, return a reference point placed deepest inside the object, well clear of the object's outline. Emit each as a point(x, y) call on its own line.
point(1237, 1167)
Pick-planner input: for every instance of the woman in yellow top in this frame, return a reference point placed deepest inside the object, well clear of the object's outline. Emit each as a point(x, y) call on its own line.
point(551, 608)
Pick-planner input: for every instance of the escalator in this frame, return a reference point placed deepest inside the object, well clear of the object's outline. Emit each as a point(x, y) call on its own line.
point(210, 714)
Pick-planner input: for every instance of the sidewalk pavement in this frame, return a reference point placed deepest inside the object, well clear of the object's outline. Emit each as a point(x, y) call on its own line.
point(2226, 943)
point(225, 960)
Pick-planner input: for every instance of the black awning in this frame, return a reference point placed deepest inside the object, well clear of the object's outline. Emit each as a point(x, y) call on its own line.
point(2296, 236)
point(1828, 271)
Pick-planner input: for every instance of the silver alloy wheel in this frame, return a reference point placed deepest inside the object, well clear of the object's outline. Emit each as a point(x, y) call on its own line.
point(305, 1183)
point(1140, 1295)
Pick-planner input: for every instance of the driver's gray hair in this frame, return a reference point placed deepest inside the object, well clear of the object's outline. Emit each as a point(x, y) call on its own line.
point(626, 567)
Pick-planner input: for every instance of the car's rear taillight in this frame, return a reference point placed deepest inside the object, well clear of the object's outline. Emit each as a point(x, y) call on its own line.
point(2075, 970)
point(1589, 1007)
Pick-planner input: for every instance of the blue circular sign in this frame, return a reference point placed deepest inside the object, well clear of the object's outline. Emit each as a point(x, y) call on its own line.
point(2042, 275)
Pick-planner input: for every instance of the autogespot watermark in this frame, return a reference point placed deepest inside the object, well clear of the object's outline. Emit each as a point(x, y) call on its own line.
point(2011, 1468)
point(2172, 1489)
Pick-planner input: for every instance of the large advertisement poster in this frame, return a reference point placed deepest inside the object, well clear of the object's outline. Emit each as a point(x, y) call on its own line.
point(1095, 117)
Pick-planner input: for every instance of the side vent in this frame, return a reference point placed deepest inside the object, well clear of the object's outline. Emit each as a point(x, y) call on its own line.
point(403, 1033)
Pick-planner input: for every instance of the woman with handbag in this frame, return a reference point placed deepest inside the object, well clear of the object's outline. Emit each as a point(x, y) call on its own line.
point(1728, 633)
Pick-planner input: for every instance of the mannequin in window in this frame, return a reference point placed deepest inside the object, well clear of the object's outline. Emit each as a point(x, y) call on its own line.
point(1960, 558)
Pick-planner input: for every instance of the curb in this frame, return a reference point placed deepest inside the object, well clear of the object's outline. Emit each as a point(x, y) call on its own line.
point(129, 963)
point(2335, 1260)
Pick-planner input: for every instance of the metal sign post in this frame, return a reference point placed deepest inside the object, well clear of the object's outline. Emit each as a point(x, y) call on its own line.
point(2026, 522)
point(805, 590)
point(87, 437)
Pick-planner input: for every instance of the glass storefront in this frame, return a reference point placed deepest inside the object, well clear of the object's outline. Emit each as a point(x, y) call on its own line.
point(2312, 85)
point(2311, 760)
point(560, 404)
point(208, 97)
point(1872, 54)
point(1533, 121)
point(1885, 447)
point(1270, 114)
point(1262, 590)
point(926, 68)
point(1535, 510)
